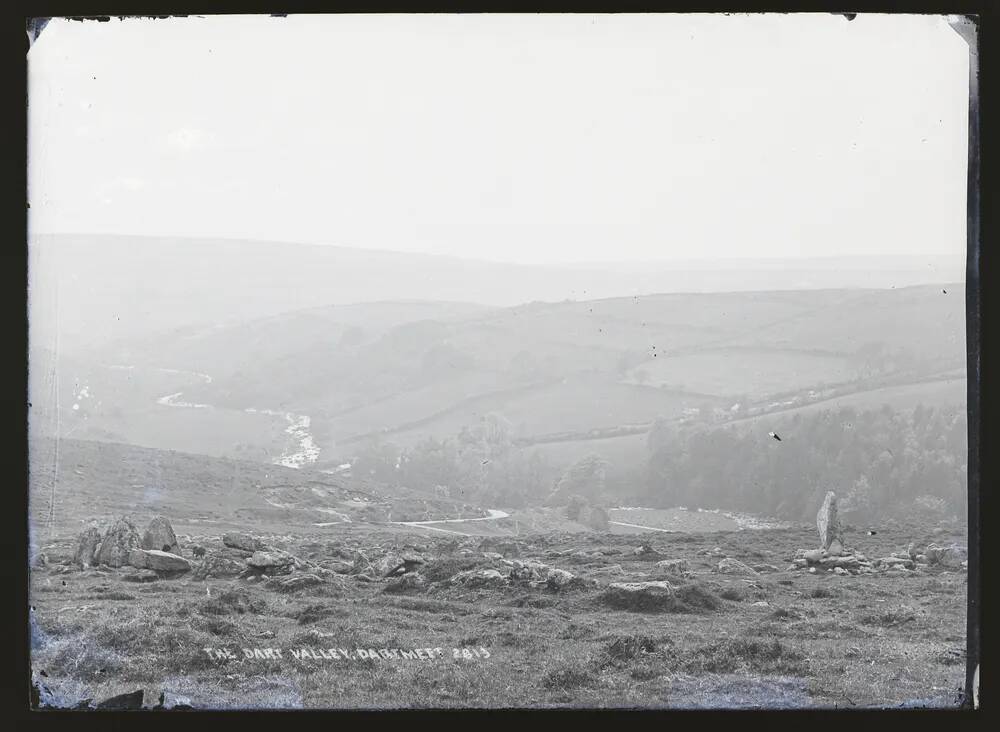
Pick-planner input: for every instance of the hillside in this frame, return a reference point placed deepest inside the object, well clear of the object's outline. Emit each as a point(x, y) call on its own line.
point(101, 288)
point(80, 481)
point(322, 383)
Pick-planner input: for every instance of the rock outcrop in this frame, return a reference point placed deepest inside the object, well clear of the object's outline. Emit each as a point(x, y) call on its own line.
point(479, 578)
point(735, 566)
point(947, 556)
point(271, 563)
point(245, 542)
point(219, 567)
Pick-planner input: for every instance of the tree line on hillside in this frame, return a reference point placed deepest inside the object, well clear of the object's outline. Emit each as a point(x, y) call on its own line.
point(480, 465)
point(879, 462)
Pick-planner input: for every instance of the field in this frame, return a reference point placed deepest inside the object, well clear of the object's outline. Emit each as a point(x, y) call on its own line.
point(819, 640)
point(761, 372)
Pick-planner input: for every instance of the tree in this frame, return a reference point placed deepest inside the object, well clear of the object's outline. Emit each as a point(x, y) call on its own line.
point(586, 478)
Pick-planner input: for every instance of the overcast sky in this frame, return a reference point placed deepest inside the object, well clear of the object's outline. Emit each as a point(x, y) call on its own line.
point(534, 138)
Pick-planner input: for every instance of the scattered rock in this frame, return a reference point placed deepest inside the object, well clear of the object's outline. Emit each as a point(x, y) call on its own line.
point(947, 556)
point(734, 566)
point(132, 700)
point(271, 563)
point(237, 540)
point(479, 578)
point(538, 573)
point(119, 540)
point(828, 522)
point(761, 603)
point(87, 546)
point(847, 562)
point(814, 556)
point(895, 563)
point(169, 700)
point(412, 581)
point(840, 570)
point(765, 568)
point(219, 567)
point(160, 535)
point(409, 563)
point(493, 555)
point(677, 567)
point(559, 578)
point(291, 584)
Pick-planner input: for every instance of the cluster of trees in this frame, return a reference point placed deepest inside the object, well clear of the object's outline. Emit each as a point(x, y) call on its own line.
point(879, 462)
point(481, 465)
point(875, 358)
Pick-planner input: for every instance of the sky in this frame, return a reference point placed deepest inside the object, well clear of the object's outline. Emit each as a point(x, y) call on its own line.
point(535, 139)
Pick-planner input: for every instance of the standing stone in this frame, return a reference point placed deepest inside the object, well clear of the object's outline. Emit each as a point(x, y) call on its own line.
point(87, 547)
point(118, 542)
point(160, 536)
point(828, 522)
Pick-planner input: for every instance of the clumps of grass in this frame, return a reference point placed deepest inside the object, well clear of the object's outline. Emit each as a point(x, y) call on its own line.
point(112, 595)
point(733, 594)
point(645, 672)
point(697, 598)
point(427, 605)
point(439, 570)
point(623, 649)
point(219, 627)
point(568, 676)
point(820, 592)
point(889, 618)
point(746, 655)
point(785, 614)
point(238, 601)
point(530, 601)
point(574, 631)
point(955, 657)
point(692, 597)
point(86, 661)
point(313, 613)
